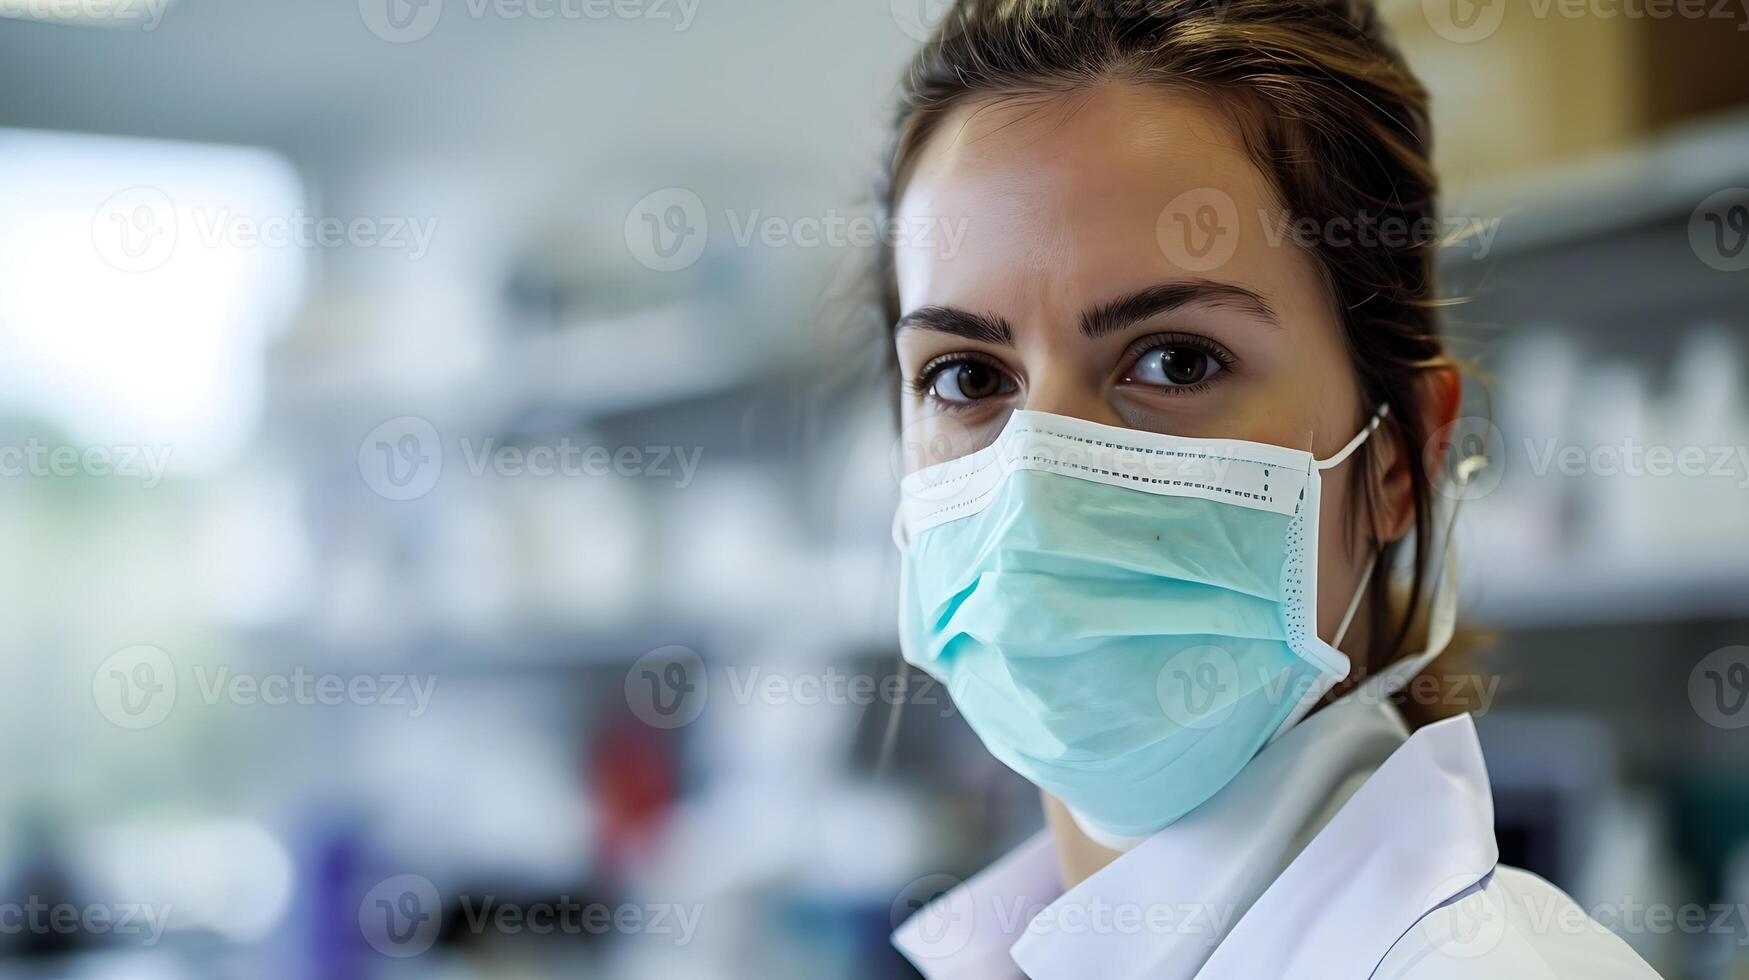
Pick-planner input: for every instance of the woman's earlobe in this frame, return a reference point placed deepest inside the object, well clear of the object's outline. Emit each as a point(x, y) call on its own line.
point(1441, 392)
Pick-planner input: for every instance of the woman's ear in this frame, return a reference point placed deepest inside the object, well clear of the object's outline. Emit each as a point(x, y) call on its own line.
point(1439, 393)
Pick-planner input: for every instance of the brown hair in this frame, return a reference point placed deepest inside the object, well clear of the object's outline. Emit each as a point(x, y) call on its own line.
point(1328, 111)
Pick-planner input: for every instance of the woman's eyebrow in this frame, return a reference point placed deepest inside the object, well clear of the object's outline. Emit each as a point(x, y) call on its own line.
point(1108, 318)
point(972, 326)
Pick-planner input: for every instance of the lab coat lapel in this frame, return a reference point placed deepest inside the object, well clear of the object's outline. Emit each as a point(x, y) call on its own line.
point(1418, 832)
point(1161, 909)
point(965, 933)
point(1221, 895)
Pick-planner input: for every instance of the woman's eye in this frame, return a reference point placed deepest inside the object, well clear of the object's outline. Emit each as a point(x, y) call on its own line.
point(967, 381)
point(1174, 366)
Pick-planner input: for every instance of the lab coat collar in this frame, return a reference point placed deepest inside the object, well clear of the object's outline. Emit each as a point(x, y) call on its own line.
point(1209, 897)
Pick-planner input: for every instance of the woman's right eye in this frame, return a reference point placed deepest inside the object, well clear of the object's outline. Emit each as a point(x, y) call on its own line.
point(960, 382)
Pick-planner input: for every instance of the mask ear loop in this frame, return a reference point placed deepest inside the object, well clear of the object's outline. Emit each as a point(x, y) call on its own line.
point(1353, 444)
point(1442, 621)
point(1341, 457)
point(1372, 559)
point(1354, 604)
point(1327, 679)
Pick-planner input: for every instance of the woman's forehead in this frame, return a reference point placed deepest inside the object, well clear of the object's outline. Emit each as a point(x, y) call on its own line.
point(1048, 199)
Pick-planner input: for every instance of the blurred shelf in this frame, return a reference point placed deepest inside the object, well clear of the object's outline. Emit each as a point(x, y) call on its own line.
point(633, 361)
point(1580, 593)
point(1666, 176)
point(527, 650)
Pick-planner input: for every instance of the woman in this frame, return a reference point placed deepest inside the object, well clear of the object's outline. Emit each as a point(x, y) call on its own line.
point(1176, 401)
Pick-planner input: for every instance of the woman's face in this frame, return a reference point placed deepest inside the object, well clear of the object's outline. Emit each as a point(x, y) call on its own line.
point(1077, 262)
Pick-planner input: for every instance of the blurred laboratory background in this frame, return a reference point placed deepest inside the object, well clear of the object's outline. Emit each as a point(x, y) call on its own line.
point(447, 514)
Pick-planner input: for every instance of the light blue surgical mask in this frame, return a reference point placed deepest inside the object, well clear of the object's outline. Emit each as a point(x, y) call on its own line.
point(1124, 618)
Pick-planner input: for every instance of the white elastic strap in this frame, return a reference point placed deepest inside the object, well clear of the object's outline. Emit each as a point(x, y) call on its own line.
point(1353, 444)
point(1354, 603)
point(1442, 619)
point(1441, 624)
point(1324, 682)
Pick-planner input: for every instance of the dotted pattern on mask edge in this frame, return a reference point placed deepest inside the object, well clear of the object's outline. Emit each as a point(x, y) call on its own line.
point(1268, 498)
point(1293, 574)
point(1144, 450)
point(1267, 466)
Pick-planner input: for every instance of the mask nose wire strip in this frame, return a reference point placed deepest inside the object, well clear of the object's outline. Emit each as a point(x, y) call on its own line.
point(1353, 444)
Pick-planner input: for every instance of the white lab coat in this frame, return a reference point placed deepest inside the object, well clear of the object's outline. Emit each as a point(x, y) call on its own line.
point(1347, 849)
